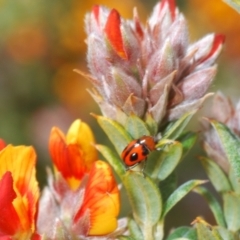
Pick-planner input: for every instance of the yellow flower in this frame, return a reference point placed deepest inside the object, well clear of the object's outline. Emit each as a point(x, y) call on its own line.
point(86, 208)
point(19, 192)
point(73, 154)
point(100, 204)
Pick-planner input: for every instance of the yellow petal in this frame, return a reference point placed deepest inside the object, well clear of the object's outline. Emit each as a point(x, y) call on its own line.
point(20, 161)
point(81, 134)
point(101, 200)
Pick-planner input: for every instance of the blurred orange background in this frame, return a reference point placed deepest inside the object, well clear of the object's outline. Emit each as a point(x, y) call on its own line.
point(43, 41)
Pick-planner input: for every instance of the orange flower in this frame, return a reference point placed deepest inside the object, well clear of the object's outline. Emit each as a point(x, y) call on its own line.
point(74, 153)
point(19, 192)
point(100, 206)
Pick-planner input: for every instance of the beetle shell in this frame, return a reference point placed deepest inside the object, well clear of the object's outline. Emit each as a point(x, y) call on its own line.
point(137, 150)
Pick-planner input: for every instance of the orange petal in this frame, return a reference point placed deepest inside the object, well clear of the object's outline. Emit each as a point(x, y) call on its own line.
point(20, 161)
point(74, 154)
point(114, 35)
point(67, 159)
point(101, 200)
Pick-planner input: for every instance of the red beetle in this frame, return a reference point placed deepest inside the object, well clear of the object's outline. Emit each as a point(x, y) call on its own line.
point(137, 150)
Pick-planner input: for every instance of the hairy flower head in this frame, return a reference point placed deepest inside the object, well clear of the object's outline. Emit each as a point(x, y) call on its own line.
point(149, 69)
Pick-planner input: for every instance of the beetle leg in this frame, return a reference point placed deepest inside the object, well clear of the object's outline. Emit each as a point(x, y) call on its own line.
point(131, 167)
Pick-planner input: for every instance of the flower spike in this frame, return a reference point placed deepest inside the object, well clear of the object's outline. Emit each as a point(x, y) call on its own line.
point(223, 111)
point(149, 55)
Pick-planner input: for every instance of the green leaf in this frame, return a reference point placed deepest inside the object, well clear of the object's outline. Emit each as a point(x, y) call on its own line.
point(174, 129)
point(218, 178)
point(234, 181)
point(112, 159)
point(213, 204)
point(224, 233)
point(167, 186)
point(134, 230)
point(204, 232)
point(136, 127)
point(166, 162)
point(234, 4)
point(152, 125)
point(231, 207)
point(231, 145)
point(115, 132)
point(183, 238)
point(187, 140)
point(179, 193)
point(183, 232)
point(145, 200)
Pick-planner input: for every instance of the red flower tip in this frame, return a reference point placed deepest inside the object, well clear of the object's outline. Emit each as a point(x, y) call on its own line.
point(218, 40)
point(171, 5)
point(95, 11)
point(113, 32)
point(2, 144)
point(138, 26)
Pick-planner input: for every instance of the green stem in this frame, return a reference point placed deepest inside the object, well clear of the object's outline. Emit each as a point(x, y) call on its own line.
point(159, 230)
point(148, 232)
